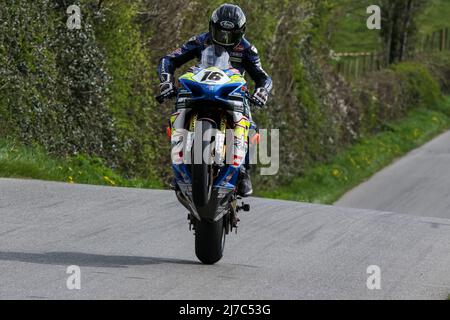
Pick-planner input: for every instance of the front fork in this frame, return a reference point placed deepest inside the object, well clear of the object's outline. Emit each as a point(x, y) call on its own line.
point(235, 159)
point(178, 136)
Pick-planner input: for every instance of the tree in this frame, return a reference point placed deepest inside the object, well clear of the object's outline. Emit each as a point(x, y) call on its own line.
point(399, 27)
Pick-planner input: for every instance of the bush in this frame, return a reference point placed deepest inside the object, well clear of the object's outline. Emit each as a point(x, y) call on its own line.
point(438, 64)
point(138, 120)
point(85, 91)
point(391, 93)
point(53, 82)
point(418, 85)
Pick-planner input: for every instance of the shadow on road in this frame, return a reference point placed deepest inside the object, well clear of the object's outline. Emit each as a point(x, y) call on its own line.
point(88, 260)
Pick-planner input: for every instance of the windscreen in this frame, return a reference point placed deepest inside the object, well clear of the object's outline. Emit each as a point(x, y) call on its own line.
point(215, 56)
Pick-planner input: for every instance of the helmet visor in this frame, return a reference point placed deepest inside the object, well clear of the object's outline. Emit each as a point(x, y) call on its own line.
point(226, 38)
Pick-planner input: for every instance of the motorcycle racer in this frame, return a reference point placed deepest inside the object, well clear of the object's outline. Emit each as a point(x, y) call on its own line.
point(227, 29)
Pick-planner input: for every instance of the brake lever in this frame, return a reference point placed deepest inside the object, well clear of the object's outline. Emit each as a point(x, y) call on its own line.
point(253, 101)
point(160, 98)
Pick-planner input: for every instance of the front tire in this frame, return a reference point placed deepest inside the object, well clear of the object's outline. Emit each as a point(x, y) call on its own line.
point(201, 172)
point(209, 240)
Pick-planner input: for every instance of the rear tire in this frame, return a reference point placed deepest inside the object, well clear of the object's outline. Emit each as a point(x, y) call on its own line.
point(209, 240)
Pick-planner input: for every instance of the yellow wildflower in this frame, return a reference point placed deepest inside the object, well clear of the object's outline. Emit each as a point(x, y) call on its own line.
point(336, 173)
point(108, 180)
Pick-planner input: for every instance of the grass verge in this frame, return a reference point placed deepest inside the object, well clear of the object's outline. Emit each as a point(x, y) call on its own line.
point(326, 183)
point(17, 161)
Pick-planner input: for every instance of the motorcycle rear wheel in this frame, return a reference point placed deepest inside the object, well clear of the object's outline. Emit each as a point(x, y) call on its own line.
point(209, 240)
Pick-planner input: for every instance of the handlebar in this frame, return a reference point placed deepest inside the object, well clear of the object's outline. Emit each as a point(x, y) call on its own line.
point(253, 102)
point(160, 98)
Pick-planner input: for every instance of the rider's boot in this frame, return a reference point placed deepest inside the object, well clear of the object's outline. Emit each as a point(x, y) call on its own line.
point(174, 184)
point(245, 188)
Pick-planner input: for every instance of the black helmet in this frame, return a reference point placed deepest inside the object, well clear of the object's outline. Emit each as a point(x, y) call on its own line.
point(227, 25)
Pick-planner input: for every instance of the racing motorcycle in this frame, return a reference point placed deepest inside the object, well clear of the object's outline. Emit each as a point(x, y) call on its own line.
point(209, 133)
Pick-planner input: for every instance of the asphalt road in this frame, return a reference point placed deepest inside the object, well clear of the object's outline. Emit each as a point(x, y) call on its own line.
point(135, 244)
point(417, 184)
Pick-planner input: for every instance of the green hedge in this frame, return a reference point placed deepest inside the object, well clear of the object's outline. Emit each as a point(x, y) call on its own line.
point(90, 92)
point(417, 85)
point(52, 81)
point(85, 91)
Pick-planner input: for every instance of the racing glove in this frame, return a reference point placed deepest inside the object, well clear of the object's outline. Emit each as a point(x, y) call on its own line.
point(260, 97)
point(167, 87)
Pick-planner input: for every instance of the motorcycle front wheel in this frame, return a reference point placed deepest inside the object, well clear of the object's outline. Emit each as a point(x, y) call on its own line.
point(201, 172)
